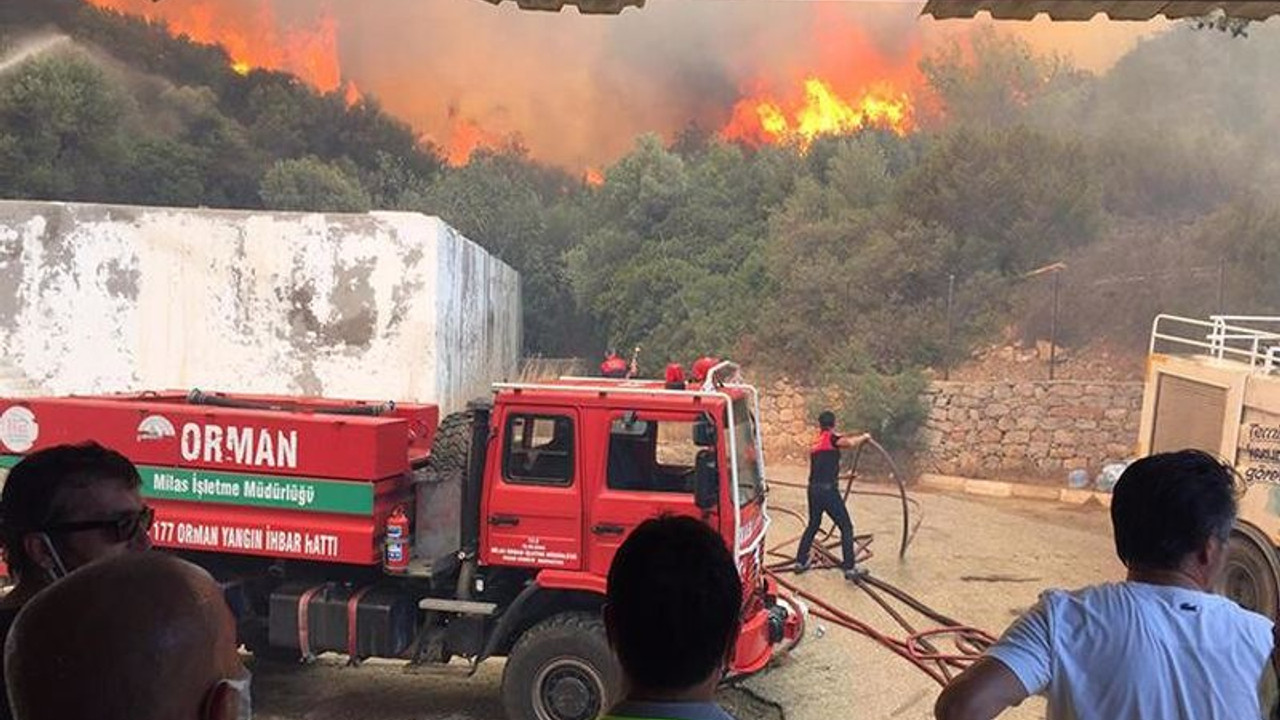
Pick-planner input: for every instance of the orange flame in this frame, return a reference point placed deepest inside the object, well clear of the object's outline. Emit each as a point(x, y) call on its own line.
point(822, 111)
point(352, 93)
point(465, 137)
point(593, 177)
point(251, 40)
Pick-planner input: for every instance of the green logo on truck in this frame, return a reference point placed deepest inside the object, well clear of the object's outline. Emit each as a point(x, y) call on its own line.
point(226, 488)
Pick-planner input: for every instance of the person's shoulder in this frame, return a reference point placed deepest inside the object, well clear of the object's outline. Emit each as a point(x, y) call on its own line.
point(1085, 594)
point(1245, 619)
point(1089, 599)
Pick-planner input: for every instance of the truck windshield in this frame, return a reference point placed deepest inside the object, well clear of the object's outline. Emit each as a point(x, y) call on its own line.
point(750, 472)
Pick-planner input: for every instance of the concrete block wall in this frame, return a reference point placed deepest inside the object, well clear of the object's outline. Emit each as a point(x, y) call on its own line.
point(98, 298)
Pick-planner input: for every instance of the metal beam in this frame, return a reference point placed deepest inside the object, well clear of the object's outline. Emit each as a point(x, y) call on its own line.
point(586, 7)
point(1086, 9)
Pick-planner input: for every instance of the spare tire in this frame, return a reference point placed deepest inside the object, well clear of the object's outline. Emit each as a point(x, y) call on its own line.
point(1250, 576)
point(451, 448)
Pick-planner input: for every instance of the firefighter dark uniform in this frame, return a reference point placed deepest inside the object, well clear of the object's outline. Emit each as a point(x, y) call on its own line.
point(824, 498)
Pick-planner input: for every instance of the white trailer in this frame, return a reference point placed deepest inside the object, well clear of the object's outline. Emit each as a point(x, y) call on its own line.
point(1214, 385)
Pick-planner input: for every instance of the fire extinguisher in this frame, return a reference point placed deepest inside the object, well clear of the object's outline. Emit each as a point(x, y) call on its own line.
point(396, 557)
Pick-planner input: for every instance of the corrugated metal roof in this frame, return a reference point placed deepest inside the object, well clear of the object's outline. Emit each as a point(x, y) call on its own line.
point(1086, 9)
point(587, 7)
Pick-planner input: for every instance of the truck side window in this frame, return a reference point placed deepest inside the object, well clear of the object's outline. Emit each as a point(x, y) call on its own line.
point(539, 450)
point(661, 459)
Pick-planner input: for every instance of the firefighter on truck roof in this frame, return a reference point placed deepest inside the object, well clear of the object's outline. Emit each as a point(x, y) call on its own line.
point(613, 366)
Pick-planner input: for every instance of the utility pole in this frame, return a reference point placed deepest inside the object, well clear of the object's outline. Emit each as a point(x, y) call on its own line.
point(946, 347)
point(1053, 326)
point(1222, 284)
point(1056, 269)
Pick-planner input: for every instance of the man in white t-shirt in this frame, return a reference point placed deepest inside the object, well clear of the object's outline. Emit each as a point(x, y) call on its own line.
point(1158, 645)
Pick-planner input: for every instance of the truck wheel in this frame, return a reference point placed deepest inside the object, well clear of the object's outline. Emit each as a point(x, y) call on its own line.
point(452, 444)
point(561, 669)
point(1250, 577)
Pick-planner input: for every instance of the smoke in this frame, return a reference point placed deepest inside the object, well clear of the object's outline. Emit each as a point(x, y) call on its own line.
point(576, 90)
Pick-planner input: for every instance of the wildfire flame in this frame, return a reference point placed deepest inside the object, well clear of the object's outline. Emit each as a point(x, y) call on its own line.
point(465, 137)
point(251, 40)
point(821, 111)
point(593, 177)
point(839, 80)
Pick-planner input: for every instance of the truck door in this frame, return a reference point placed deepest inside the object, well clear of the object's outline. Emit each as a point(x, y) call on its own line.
point(532, 515)
point(646, 469)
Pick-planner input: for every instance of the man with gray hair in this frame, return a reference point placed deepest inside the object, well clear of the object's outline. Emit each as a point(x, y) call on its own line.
point(1160, 644)
point(138, 637)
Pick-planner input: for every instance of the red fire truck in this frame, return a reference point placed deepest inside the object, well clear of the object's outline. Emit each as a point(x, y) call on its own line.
point(369, 529)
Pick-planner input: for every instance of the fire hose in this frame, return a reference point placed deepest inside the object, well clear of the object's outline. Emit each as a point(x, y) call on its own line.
point(919, 647)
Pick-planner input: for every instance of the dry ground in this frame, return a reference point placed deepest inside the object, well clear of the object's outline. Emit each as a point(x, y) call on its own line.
point(979, 560)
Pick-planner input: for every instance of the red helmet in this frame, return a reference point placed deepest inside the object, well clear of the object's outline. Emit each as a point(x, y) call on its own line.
point(675, 376)
point(702, 366)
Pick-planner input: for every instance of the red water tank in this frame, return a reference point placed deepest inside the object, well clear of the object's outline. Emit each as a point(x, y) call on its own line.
point(396, 556)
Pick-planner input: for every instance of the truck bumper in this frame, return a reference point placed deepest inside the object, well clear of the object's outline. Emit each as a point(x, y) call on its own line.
point(772, 631)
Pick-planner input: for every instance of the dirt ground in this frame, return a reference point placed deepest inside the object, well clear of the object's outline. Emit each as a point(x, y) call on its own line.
point(981, 561)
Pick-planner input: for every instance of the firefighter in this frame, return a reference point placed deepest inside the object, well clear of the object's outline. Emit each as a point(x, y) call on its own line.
point(824, 493)
point(702, 366)
point(613, 366)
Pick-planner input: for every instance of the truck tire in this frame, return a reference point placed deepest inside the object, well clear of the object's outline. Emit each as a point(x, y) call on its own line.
point(452, 444)
point(1251, 577)
point(561, 669)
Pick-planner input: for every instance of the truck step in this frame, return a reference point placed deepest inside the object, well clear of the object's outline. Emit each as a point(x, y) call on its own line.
point(462, 607)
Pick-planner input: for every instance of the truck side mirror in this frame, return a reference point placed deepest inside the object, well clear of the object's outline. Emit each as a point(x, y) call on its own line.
point(704, 432)
point(706, 487)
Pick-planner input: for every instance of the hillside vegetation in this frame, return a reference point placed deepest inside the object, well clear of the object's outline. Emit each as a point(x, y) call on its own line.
point(1148, 181)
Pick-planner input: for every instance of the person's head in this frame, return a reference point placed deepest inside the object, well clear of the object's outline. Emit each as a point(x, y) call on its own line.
point(827, 420)
point(674, 606)
point(69, 505)
point(138, 637)
point(1174, 511)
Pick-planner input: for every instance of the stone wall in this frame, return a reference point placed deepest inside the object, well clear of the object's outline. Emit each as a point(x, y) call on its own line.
point(786, 421)
point(101, 298)
point(987, 429)
point(993, 429)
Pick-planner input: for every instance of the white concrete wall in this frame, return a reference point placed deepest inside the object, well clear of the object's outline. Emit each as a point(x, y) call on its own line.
point(97, 298)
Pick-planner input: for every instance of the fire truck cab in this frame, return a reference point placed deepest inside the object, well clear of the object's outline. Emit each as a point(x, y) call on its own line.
point(365, 529)
point(1214, 385)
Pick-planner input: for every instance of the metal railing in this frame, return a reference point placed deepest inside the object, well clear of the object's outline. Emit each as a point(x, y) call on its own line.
point(1251, 339)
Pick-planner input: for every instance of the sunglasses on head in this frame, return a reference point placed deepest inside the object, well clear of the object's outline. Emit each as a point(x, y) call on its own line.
point(124, 528)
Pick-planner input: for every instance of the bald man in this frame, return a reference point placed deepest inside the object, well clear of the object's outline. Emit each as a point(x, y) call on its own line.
point(138, 637)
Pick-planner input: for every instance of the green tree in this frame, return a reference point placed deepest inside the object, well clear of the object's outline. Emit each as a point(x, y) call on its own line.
point(1247, 234)
point(61, 122)
point(674, 257)
point(526, 216)
point(165, 172)
point(310, 184)
point(890, 407)
point(1014, 198)
point(991, 79)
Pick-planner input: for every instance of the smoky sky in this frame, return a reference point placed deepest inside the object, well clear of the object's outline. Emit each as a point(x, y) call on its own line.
point(577, 90)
